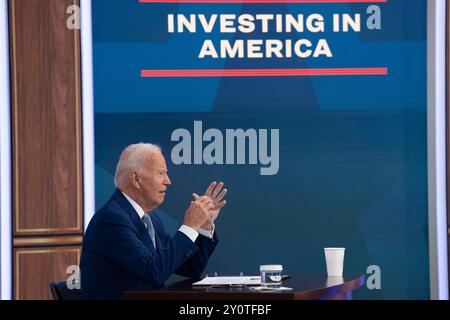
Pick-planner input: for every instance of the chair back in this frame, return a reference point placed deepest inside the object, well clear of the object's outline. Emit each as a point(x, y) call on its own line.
point(60, 291)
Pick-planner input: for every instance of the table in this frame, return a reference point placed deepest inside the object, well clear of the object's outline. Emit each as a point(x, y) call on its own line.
point(305, 287)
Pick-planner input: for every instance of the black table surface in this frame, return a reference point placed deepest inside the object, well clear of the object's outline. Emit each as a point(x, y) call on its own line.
point(303, 287)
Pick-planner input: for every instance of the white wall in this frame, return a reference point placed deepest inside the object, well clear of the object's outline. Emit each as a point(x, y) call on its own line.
point(437, 210)
point(5, 160)
point(88, 111)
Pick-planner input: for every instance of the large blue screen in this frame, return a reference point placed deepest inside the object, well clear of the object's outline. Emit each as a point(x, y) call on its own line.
point(319, 132)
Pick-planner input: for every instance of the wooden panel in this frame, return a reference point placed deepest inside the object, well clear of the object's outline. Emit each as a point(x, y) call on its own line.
point(47, 241)
point(35, 268)
point(46, 118)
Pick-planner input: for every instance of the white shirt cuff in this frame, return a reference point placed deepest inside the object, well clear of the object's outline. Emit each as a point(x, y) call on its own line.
point(189, 232)
point(207, 233)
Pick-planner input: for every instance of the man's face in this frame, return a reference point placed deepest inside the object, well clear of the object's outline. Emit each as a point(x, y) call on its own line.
point(154, 180)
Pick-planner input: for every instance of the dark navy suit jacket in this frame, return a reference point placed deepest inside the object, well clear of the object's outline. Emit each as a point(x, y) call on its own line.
point(118, 254)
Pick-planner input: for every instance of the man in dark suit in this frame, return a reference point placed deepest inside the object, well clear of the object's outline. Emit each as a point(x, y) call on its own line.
point(126, 247)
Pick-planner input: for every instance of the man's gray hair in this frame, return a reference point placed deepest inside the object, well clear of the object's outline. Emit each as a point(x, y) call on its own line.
point(132, 159)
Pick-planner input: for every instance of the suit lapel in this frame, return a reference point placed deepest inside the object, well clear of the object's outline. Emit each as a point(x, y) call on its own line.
point(137, 221)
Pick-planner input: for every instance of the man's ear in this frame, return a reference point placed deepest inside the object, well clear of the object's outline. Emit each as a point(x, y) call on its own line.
point(135, 180)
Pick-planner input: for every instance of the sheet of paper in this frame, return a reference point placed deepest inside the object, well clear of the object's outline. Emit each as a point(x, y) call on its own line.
point(229, 281)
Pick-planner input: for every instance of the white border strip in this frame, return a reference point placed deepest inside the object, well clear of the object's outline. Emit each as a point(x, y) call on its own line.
point(5, 160)
point(88, 111)
point(437, 209)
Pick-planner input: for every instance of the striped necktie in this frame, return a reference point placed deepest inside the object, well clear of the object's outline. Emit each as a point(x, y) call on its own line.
point(149, 225)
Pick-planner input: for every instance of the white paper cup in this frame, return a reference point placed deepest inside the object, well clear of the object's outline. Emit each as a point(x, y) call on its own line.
point(334, 258)
point(334, 281)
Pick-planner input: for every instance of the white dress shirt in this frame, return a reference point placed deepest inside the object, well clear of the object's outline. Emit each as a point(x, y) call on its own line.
point(188, 231)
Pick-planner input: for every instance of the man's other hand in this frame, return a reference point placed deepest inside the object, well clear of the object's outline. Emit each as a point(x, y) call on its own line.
point(198, 212)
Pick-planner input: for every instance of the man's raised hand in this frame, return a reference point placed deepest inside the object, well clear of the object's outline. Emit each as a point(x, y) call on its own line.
point(216, 192)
